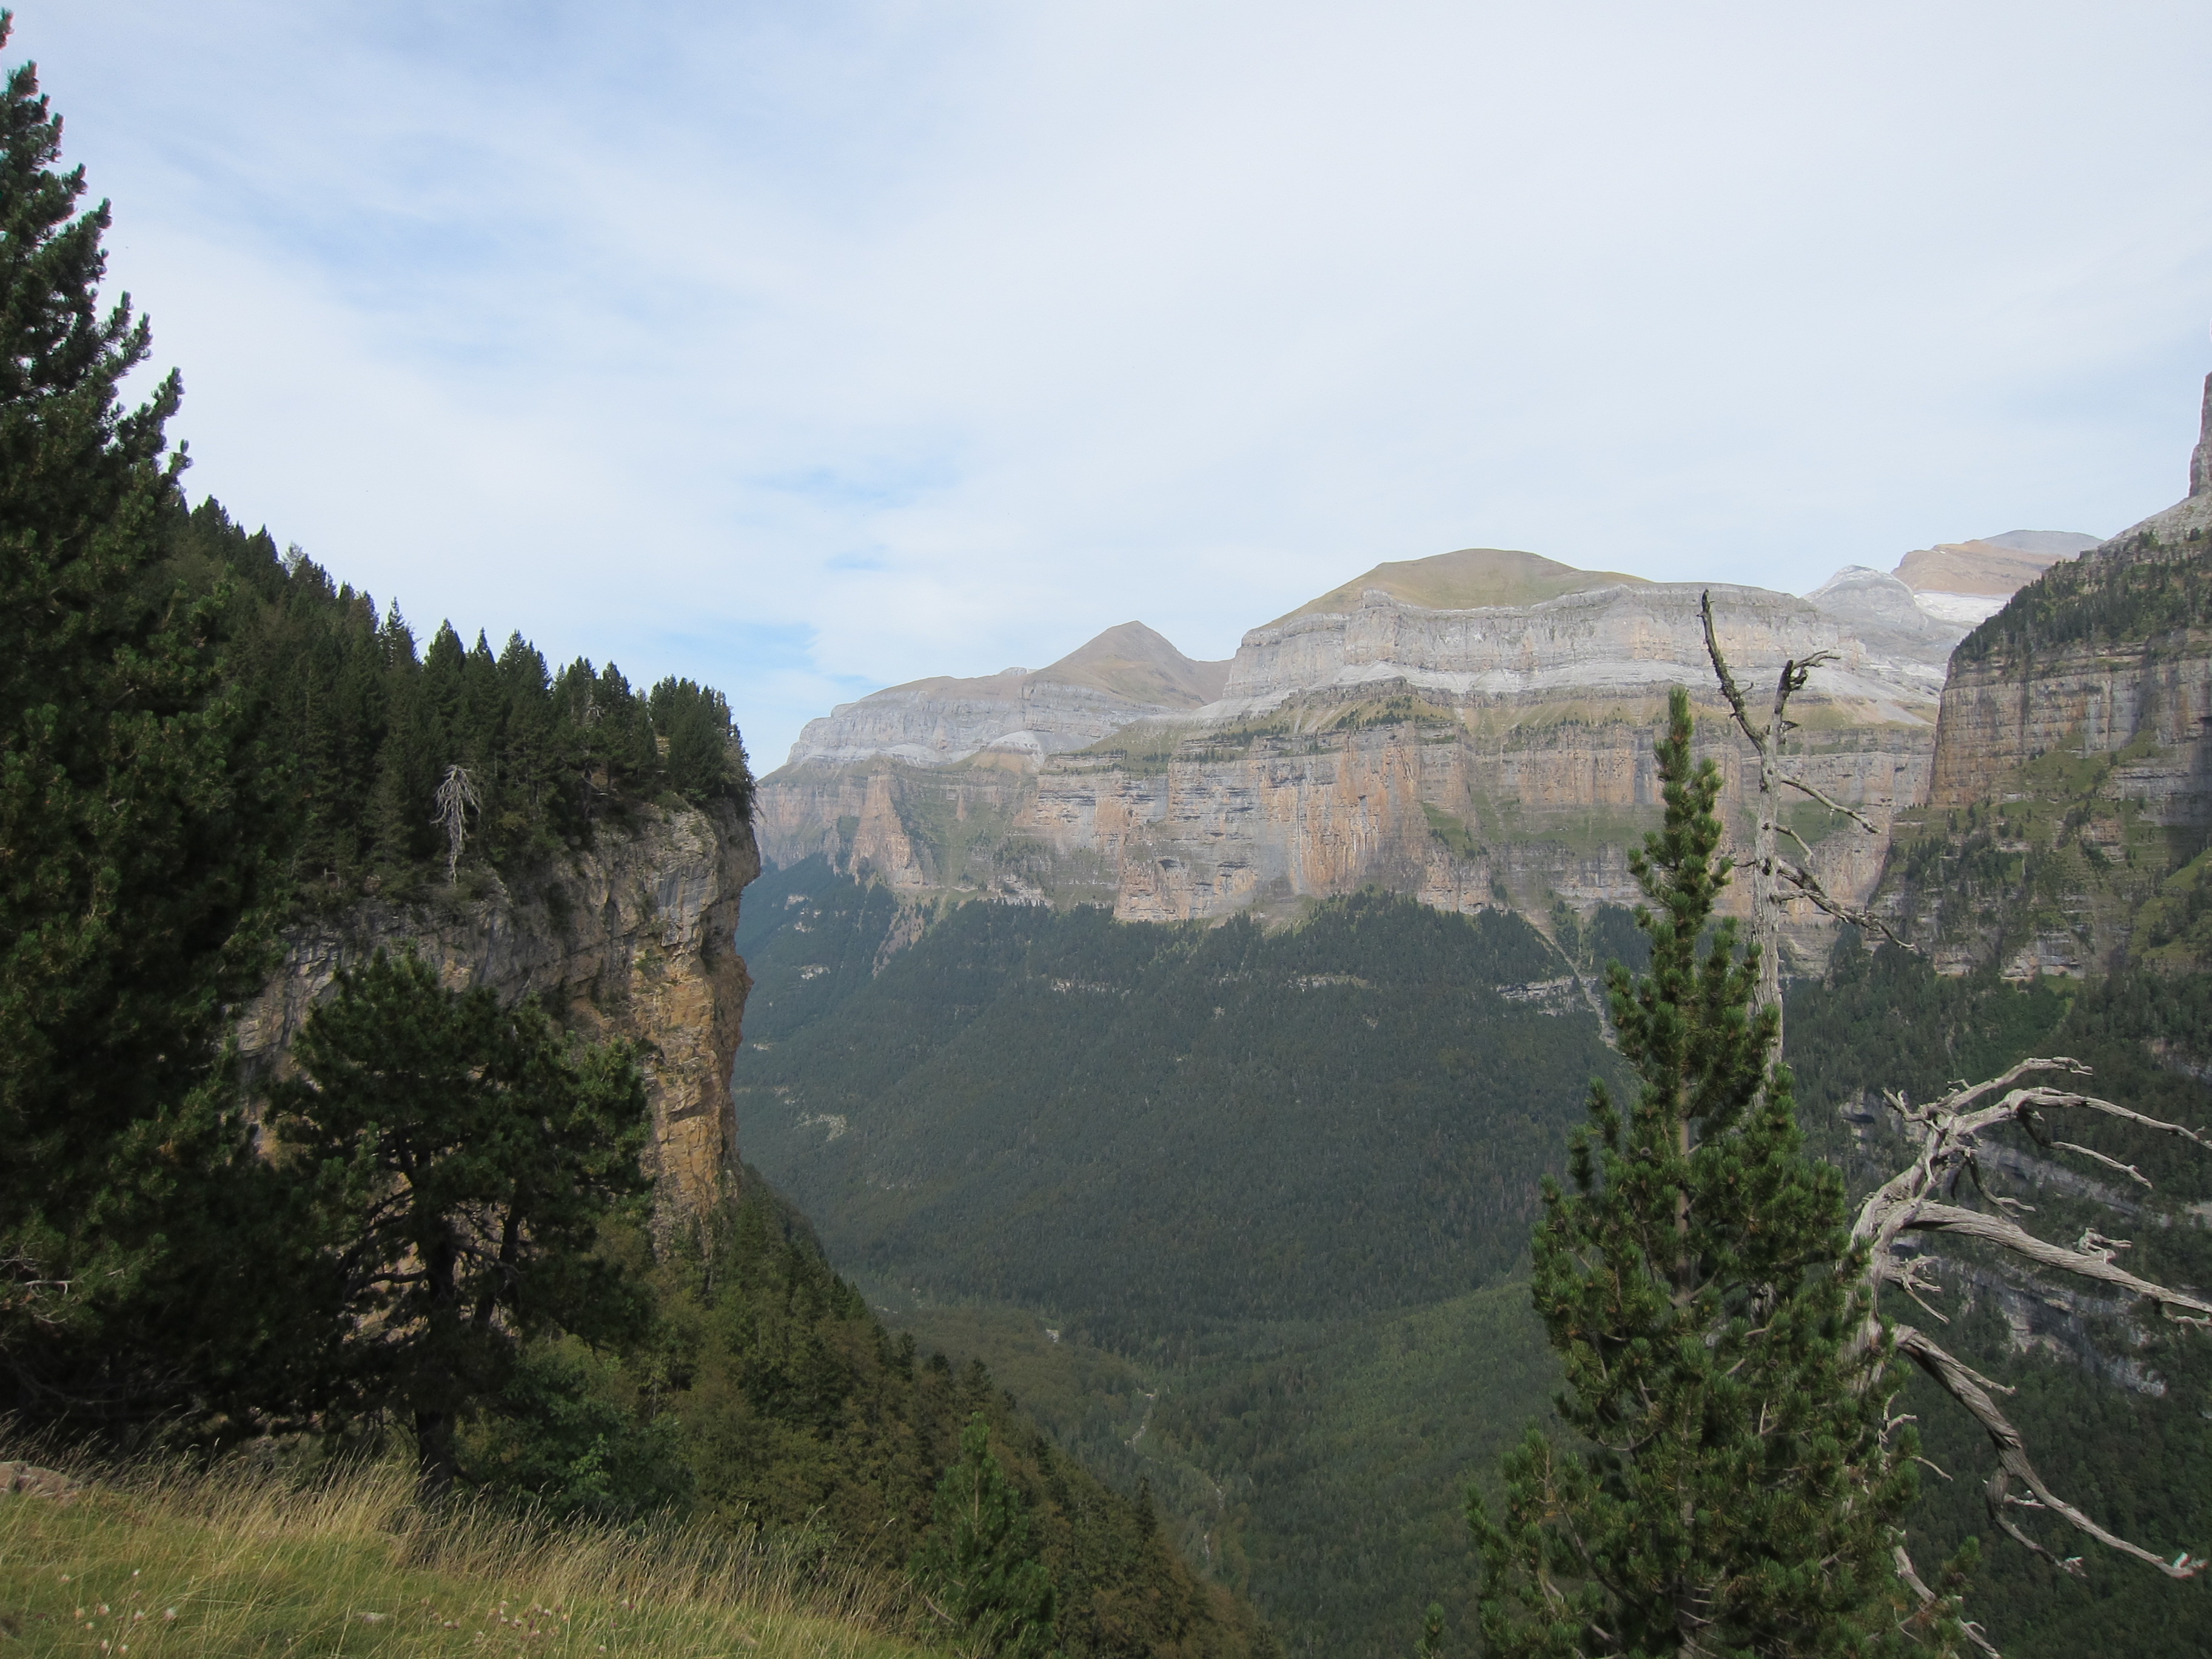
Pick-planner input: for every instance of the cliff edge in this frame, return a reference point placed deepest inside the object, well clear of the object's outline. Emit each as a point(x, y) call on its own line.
point(630, 936)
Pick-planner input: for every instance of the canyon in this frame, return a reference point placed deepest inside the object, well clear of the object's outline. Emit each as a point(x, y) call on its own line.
point(2022, 718)
point(1473, 728)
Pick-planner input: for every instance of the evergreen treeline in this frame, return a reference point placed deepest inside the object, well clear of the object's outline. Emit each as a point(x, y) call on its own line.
point(2134, 592)
point(358, 725)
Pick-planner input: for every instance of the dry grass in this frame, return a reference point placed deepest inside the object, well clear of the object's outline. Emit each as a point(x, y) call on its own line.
point(162, 1563)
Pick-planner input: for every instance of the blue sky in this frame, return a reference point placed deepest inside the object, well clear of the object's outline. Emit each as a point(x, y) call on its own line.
point(807, 348)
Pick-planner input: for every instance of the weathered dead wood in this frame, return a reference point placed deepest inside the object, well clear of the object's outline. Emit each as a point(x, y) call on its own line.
point(456, 798)
point(1922, 1199)
point(1773, 882)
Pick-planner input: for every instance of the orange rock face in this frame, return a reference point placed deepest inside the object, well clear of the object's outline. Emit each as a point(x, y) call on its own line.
point(632, 938)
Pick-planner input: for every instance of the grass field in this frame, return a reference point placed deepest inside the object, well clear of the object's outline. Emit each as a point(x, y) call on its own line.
point(162, 1564)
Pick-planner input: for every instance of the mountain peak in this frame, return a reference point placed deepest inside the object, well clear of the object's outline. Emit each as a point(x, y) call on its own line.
point(2200, 463)
point(1470, 578)
point(1134, 661)
point(1994, 566)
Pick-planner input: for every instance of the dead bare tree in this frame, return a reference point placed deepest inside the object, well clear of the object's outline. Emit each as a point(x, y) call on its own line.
point(456, 798)
point(1775, 880)
point(1934, 1196)
point(1923, 1200)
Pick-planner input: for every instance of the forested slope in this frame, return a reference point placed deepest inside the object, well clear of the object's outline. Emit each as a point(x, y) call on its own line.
point(1246, 1206)
point(1158, 1130)
point(1307, 1389)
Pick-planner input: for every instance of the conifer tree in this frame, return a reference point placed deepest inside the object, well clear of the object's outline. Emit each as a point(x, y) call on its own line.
point(979, 1565)
point(1733, 1484)
point(131, 836)
point(461, 1155)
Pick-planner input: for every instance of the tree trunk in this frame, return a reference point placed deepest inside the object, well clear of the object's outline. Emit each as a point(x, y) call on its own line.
point(437, 1465)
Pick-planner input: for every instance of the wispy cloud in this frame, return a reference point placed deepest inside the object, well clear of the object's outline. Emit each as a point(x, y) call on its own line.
point(809, 347)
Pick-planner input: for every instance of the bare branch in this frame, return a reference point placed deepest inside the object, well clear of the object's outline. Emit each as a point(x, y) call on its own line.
point(1809, 889)
point(1963, 1385)
point(2108, 1163)
point(456, 798)
point(1930, 1600)
point(1959, 1098)
point(1729, 687)
point(1831, 804)
point(2005, 1232)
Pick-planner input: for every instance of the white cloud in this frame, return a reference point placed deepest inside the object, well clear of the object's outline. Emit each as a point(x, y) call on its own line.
point(811, 347)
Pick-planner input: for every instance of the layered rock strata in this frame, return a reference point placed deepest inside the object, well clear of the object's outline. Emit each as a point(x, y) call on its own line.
point(1483, 757)
point(2070, 792)
point(1475, 728)
point(630, 938)
point(1127, 673)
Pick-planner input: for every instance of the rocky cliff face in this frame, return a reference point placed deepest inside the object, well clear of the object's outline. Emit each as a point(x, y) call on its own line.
point(631, 937)
point(1486, 755)
point(1611, 640)
point(1475, 728)
point(2071, 791)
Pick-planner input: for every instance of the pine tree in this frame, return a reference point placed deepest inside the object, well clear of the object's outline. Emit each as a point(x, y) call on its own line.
point(461, 1157)
point(1733, 1486)
point(132, 838)
point(979, 1565)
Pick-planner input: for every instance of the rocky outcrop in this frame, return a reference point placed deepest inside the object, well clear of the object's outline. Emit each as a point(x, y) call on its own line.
point(1961, 584)
point(1609, 641)
point(2071, 786)
point(2191, 518)
point(631, 937)
point(1127, 673)
point(2200, 460)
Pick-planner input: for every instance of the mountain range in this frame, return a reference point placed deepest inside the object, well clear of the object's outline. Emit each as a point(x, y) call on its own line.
point(1472, 728)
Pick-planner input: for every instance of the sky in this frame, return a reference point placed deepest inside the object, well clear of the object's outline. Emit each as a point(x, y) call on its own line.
point(804, 348)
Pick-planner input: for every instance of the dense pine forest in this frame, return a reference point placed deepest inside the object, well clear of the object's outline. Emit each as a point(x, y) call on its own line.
point(356, 722)
point(1165, 1131)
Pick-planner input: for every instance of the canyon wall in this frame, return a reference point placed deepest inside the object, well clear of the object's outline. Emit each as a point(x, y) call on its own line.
point(1476, 728)
point(630, 938)
point(2070, 801)
point(1484, 756)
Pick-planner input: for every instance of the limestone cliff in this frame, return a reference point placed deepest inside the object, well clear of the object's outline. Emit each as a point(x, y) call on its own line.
point(2070, 792)
point(1483, 756)
point(1475, 728)
point(631, 937)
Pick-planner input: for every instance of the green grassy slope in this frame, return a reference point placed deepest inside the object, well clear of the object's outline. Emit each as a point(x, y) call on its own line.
point(153, 1564)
